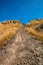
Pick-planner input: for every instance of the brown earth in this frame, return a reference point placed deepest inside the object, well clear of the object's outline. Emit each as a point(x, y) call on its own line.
point(21, 44)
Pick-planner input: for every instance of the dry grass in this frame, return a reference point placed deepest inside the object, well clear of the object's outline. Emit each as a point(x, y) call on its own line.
point(7, 31)
point(30, 27)
point(9, 28)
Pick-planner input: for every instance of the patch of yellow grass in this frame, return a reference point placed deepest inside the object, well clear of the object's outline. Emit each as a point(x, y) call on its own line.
point(30, 27)
point(38, 35)
point(7, 31)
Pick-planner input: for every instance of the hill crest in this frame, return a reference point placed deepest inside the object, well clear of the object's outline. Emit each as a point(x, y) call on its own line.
point(9, 28)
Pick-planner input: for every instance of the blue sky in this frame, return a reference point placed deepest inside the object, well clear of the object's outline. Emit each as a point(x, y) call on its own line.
point(22, 10)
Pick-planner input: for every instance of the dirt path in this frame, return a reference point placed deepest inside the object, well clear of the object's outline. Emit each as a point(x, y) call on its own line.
point(22, 49)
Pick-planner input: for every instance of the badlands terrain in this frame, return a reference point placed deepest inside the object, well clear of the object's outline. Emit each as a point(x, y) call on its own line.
point(21, 44)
